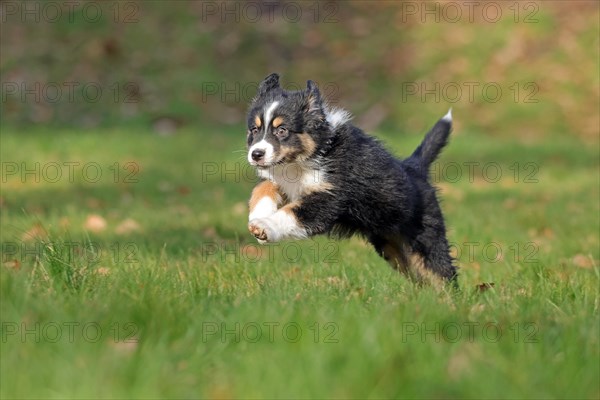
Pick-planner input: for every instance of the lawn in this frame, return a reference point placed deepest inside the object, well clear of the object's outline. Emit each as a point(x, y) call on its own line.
point(128, 271)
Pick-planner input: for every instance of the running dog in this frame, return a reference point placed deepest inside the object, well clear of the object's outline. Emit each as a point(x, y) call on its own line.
point(322, 175)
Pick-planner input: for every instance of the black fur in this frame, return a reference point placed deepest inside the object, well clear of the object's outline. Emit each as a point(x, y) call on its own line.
point(387, 200)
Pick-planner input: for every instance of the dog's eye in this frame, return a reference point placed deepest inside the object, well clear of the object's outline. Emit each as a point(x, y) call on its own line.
point(253, 130)
point(281, 132)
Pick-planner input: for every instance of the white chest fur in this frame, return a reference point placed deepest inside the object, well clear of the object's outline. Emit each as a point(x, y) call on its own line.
point(295, 180)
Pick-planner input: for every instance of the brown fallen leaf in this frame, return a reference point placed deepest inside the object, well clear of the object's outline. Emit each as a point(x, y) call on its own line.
point(127, 226)
point(252, 252)
point(184, 190)
point(482, 287)
point(583, 261)
point(95, 223)
point(12, 264)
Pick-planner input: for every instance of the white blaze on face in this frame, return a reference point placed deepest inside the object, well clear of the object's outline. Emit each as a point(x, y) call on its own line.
point(269, 114)
point(263, 144)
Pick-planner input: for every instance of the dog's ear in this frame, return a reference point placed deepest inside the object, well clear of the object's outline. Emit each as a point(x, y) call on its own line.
point(313, 98)
point(269, 83)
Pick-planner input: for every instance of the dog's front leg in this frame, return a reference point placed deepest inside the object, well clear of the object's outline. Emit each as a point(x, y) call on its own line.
point(295, 220)
point(264, 200)
point(281, 225)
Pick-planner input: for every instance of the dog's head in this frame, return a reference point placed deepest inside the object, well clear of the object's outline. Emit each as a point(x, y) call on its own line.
point(285, 126)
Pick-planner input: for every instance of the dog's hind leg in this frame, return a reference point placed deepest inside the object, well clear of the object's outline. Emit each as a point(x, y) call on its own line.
point(397, 252)
point(431, 248)
point(391, 251)
point(436, 258)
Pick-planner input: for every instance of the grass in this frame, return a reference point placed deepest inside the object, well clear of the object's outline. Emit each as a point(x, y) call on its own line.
point(143, 282)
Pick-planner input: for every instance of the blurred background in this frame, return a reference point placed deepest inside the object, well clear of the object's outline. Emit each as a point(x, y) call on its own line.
point(124, 189)
point(518, 69)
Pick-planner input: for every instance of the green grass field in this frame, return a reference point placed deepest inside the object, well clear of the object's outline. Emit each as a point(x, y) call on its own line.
point(128, 271)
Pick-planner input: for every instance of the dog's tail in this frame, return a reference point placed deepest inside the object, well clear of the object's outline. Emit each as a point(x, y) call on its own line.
point(434, 142)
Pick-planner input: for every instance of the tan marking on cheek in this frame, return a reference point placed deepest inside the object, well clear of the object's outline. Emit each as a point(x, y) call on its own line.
point(308, 148)
point(264, 189)
point(277, 121)
point(257, 121)
point(308, 144)
point(287, 153)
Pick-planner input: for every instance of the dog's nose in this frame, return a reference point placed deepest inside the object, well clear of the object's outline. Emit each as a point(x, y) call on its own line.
point(258, 154)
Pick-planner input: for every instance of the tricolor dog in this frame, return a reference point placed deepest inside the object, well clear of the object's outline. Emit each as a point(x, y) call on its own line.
point(322, 175)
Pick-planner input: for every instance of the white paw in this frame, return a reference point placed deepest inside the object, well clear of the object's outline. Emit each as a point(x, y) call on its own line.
point(263, 230)
point(277, 227)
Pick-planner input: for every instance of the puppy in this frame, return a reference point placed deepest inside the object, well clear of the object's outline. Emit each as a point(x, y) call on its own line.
point(322, 175)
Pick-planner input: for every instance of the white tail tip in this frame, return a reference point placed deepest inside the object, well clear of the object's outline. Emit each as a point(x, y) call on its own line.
point(448, 116)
